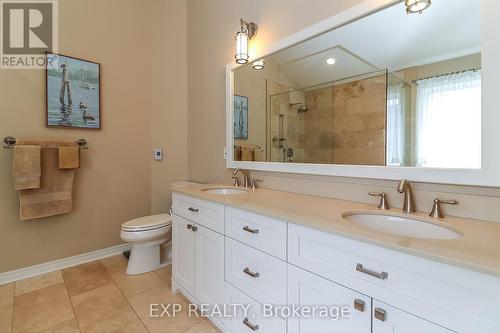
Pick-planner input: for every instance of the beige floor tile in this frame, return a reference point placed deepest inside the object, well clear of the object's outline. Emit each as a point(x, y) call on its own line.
point(132, 285)
point(115, 262)
point(104, 309)
point(165, 274)
point(70, 326)
point(38, 282)
point(6, 307)
point(162, 295)
point(86, 277)
point(203, 327)
point(42, 309)
point(135, 327)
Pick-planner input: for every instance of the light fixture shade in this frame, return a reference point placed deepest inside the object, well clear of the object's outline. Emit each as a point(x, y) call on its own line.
point(258, 65)
point(417, 6)
point(241, 47)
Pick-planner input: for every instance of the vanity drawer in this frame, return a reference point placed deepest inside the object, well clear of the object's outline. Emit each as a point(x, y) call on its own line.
point(263, 233)
point(258, 274)
point(206, 213)
point(462, 300)
point(243, 322)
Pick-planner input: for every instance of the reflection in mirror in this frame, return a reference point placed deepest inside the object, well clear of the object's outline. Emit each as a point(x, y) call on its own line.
point(388, 89)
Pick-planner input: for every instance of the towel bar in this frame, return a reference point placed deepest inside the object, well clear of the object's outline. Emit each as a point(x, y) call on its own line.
point(10, 142)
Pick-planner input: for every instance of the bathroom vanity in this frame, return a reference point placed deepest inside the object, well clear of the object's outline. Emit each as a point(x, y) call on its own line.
point(372, 92)
point(270, 247)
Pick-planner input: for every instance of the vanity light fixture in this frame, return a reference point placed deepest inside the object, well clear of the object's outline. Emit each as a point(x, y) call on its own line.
point(258, 65)
point(246, 33)
point(417, 6)
point(331, 61)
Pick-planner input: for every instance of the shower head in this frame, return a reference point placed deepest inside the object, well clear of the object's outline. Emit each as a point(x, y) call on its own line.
point(302, 109)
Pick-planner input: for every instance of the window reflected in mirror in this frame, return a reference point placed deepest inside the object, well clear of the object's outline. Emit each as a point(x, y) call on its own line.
point(389, 89)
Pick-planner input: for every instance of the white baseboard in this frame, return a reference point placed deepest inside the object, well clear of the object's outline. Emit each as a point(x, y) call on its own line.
point(51, 266)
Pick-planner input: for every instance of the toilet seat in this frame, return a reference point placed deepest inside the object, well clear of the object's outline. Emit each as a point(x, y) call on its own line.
point(147, 223)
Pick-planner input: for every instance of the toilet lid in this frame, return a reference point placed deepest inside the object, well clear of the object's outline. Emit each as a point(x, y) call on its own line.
point(148, 222)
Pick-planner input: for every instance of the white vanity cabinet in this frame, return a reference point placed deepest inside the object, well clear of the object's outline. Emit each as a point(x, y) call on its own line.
point(387, 319)
point(243, 257)
point(198, 250)
point(307, 289)
point(183, 253)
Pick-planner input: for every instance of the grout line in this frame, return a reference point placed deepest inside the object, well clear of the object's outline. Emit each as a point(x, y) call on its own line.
point(125, 297)
point(71, 302)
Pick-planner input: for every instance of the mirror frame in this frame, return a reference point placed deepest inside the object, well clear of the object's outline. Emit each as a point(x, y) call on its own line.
point(487, 176)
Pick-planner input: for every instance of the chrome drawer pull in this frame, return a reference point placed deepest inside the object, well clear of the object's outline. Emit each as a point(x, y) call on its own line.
point(381, 276)
point(247, 271)
point(194, 210)
point(250, 230)
point(359, 305)
point(380, 314)
point(250, 325)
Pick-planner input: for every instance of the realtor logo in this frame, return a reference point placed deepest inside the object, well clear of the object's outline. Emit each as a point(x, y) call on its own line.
point(28, 31)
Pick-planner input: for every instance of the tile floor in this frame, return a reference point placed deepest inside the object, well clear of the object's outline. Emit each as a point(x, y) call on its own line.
point(94, 297)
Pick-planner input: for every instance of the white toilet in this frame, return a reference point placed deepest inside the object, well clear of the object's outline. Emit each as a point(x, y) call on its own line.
point(147, 235)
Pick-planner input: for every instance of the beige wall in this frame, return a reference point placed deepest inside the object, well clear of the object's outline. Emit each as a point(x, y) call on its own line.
point(138, 46)
point(169, 98)
point(211, 28)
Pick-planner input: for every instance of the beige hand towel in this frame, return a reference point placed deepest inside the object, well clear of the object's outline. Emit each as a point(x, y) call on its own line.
point(26, 167)
point(54, 197)
point(69, 157)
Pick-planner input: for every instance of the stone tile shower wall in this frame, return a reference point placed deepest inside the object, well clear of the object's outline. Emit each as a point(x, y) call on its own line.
point(346, 123)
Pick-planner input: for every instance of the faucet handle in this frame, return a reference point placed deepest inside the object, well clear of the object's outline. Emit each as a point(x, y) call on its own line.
point(384, 204)
point(436, 211)
point(236, 181)
point(255, 181)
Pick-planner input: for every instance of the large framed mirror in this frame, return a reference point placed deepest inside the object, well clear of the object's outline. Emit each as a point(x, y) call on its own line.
point(373, 92)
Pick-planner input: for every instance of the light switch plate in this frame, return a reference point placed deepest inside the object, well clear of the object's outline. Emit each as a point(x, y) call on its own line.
point(158, 154)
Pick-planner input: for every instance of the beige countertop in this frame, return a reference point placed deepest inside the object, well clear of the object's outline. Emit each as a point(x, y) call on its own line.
point(478, 249)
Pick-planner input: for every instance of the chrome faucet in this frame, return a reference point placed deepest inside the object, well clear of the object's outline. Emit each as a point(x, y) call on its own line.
point(408, 204)
point(245, 177)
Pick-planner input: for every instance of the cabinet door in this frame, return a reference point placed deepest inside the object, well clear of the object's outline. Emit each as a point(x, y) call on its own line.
point(209, 266)
point(387, 319)
point(308, 290)
point(183, 253)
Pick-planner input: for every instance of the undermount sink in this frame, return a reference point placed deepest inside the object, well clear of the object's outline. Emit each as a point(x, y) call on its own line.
point(401, 226)
point(224, 190)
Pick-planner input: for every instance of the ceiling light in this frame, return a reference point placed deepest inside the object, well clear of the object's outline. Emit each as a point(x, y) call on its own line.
point(330, 61)
point(247, 32)
point(258, 65)
point(417, 6)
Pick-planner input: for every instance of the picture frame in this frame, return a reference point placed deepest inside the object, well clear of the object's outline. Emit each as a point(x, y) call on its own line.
point(73, 92)
point(240, 117)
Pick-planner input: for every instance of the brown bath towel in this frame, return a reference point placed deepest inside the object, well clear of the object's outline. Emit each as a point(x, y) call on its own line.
point(54, 197)
point(26, 167)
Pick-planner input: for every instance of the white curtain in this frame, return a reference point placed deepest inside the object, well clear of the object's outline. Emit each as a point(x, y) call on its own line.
point(395, 125)
point(448, 121)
